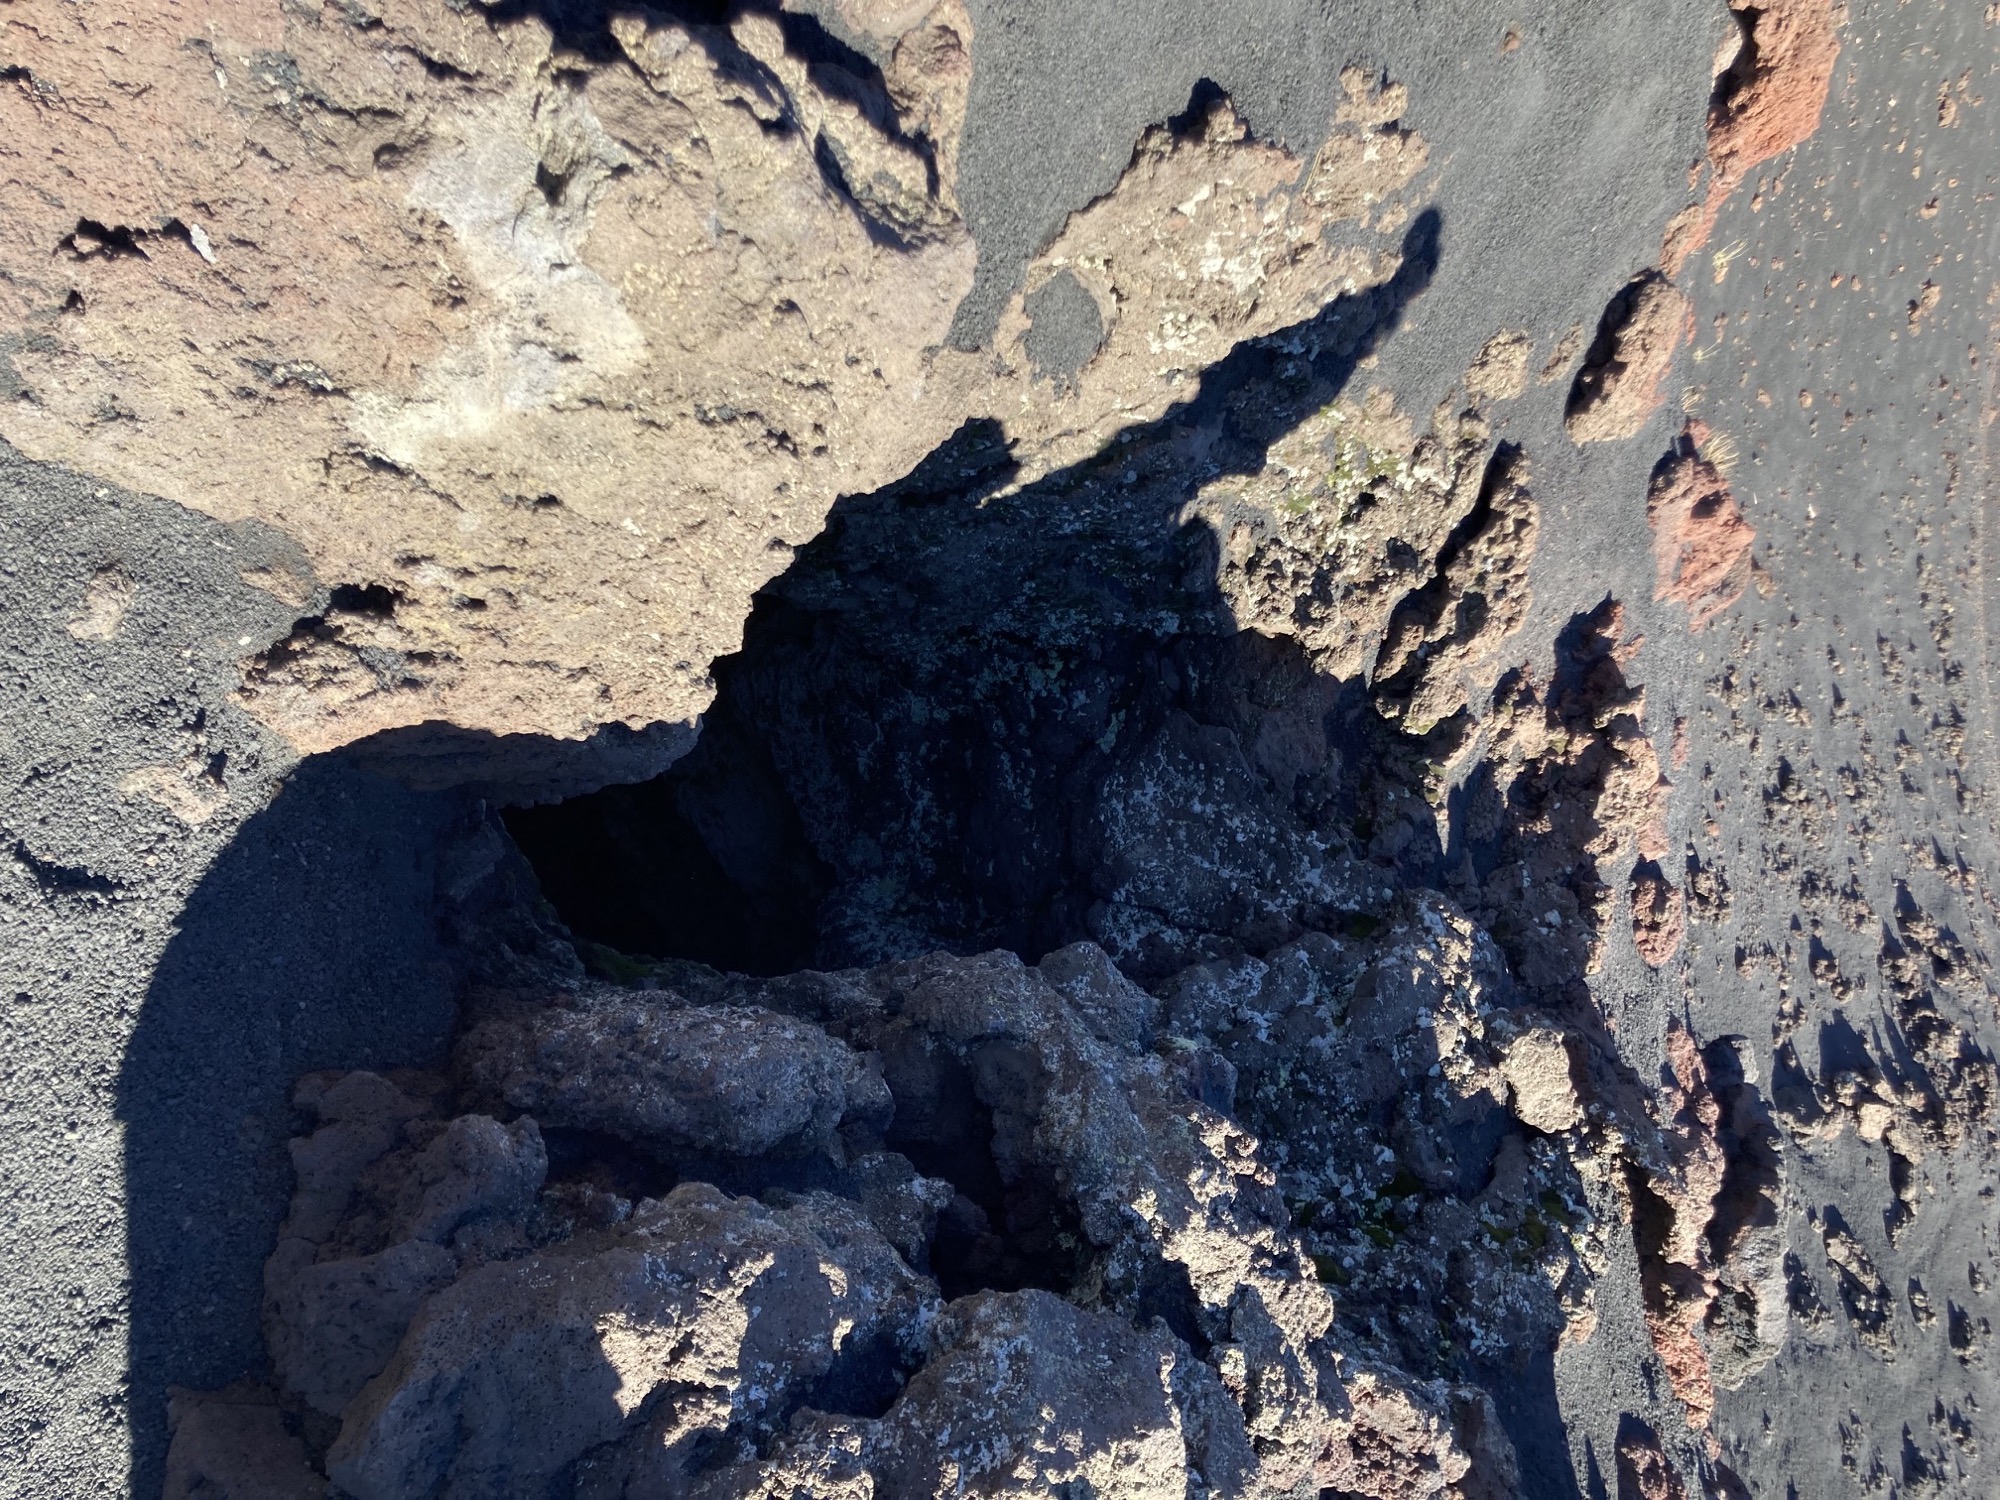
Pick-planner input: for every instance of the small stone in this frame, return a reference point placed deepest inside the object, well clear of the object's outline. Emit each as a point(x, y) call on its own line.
point(1540, 1071)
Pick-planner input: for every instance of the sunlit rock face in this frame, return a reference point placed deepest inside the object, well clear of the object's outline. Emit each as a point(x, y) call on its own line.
point(549, 341)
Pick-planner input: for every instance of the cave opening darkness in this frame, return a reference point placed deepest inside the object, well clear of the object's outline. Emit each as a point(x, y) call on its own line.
point(946, 727)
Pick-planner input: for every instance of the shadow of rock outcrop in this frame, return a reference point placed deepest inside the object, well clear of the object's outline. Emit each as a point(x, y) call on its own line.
point(979, 715)
point(331, 933)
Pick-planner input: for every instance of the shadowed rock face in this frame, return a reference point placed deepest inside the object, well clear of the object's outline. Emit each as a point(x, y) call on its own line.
point(454, 1308)
point(1273, 1114)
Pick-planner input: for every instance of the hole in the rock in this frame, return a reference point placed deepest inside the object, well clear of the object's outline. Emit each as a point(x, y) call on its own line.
point(999, 1234)
point(866, 1378)
point(363, 599)
point(592, 1159)
point(1166, 1292)
point(942, 720)
point(552, 183)
point(708, 862)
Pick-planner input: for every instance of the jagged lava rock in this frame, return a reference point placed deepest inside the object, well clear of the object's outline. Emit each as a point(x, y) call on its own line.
point(733, 1081)
point(1026, 1394)
point(609, 322)
point(726, 1307)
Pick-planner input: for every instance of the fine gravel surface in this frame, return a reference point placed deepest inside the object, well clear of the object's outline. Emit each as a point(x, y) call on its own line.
point(1846, 323)
point(190, 919)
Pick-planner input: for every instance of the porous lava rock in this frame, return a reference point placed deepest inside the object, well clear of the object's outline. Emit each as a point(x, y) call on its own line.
point(1026, 1394)
point(1701, 541)
point(643, 296)
point(694, 1317)
point(1618, 387)
point(731, 1081)
point(1057, 1263)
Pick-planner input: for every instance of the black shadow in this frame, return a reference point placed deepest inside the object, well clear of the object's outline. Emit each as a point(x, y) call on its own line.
point(311, 943)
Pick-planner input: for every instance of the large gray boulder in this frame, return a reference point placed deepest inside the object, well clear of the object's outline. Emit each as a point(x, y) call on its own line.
point(685, 1325)
point(736, 1081)
point(1025, 1395)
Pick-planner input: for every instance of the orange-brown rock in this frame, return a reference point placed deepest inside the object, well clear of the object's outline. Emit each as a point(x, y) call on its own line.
point(547, 357)
point(1424, 1443)
point(1701, 542)
point(1672, 1209)
point(1572, 760)
point(1643, 1470)
point(1659, 914)
point(1772, 76)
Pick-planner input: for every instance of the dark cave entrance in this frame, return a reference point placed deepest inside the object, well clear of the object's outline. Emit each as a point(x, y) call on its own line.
point(938, 717)
point(708, 861)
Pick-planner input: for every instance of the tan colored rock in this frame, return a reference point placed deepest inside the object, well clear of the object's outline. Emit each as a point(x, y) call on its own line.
point(1864, 1295)
point(104, 604)
point(184, 791)
point(925, 52)
point(1540, 1070)
point(1567, 348)
point(1499, 372)
point(1347, 519)
point(1444, 639)
point(547, 361)
point(1619, 385)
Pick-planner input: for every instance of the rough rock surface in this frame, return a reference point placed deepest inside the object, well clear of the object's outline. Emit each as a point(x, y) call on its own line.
point(1026, 1394)
point(722, 1082)
point(691, 1319)
point(473, 1329)
point(642, 298)
point(1701, 543)
point(237, 1443)
point(1618, 387)
point(1283, 875)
